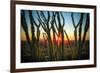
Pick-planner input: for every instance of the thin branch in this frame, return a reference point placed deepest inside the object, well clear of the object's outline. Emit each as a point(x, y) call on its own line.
point(73, 20)
point(62, 19)
point(48, 17)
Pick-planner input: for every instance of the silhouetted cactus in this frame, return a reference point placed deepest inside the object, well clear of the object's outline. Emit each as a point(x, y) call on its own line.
point(45, 23)
point(79, 24)
point(86, 28)
point(45, 39)
point(60, 27)
point(75, 29)
point(68, 40)
point(25, 27)
point(34, 47)
point(52, 24)
point(38, 33)
point(53, 28)
point(80, 37)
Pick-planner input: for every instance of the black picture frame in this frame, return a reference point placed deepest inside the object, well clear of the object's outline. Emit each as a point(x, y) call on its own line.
point(13, 35)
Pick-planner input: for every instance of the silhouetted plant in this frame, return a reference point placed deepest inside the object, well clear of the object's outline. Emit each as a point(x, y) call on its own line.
point(60, 30)
point(75, 29)
point(68, 40)
point(25, 27)
point(80, 37)
point(34, 47)
point(79, 24)
point(45, 39)
point(45, 23)
point(53, 28)
point(52, 24)
point(80, 43)
point(86, 28)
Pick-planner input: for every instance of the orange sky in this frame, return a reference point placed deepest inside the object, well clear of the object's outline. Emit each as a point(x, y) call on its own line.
point(68, 27)
point(70, 35)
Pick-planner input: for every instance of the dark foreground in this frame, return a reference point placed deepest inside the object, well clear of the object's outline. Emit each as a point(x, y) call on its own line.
point(43, 56)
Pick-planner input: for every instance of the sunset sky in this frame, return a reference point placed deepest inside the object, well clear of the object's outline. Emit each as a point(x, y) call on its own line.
point(69, 28)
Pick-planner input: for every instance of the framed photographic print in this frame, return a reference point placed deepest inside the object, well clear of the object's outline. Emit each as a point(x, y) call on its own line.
point(51, 36)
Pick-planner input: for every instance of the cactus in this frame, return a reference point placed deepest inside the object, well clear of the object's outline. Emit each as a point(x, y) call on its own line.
point(45, 39)
point(34, 47)
point(25, 27)
point(60, 32)
point(53, 28)
point(80, 38)
point(75, 30)
point(46, 26)
point(53, 22)
point(86, 28)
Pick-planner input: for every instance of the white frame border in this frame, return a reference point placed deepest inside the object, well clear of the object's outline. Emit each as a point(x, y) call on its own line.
point(59, 63)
